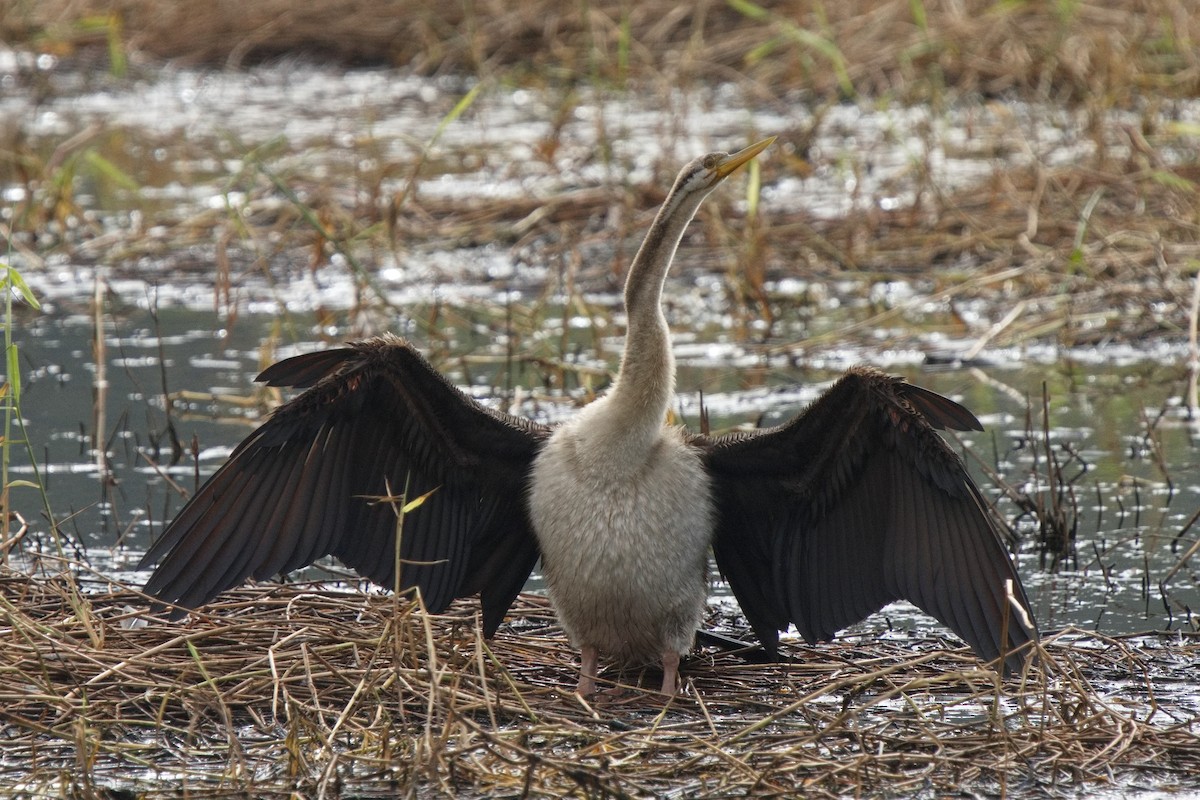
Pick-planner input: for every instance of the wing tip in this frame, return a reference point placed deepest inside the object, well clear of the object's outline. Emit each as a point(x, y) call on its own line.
point(940, 411)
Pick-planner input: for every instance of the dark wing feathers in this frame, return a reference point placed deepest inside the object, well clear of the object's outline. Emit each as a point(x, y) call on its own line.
point(854, 504)
point(940, 412)
point(304, 371)
point(376, 420)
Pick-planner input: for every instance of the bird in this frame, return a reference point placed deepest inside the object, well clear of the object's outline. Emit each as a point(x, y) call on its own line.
point(815, 523)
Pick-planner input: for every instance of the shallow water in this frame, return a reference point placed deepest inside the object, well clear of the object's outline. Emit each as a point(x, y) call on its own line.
point(1127, 533)
point(188, 137)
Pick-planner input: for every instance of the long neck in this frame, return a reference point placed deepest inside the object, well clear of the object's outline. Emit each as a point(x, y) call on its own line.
point(646, 382)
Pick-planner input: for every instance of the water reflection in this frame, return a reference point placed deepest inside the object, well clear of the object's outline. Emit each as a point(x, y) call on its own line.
point(1130, 481)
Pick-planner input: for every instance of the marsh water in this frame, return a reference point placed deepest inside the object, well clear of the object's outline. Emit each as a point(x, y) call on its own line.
point(136, 309)
point(1129, 521)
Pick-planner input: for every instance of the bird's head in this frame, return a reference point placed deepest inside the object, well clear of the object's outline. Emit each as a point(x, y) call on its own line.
point(704, 173)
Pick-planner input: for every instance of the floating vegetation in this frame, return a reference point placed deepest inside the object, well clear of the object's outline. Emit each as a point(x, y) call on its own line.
point(302, 689)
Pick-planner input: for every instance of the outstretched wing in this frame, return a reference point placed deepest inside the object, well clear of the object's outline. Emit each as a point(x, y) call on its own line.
point(858, 502)
point(376, 420)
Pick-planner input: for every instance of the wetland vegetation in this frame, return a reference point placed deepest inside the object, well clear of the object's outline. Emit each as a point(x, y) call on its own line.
point(996, 199)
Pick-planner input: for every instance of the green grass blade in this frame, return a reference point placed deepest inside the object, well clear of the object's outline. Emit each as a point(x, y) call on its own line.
point(15, 281)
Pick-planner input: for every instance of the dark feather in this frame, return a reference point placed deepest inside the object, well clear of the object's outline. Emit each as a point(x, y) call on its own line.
point(376, 420)
point(856, 503)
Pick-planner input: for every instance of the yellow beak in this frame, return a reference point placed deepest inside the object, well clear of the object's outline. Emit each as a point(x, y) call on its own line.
point(735, 160)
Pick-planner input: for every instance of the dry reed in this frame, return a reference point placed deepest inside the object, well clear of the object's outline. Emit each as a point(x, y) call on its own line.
point(1099, 248)
point(302, 689)
point(1113, 51)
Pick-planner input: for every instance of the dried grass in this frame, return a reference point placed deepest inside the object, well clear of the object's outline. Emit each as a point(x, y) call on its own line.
point(302, 689)
point(1097, 251)
point(1110, 51)
point(1100, 249)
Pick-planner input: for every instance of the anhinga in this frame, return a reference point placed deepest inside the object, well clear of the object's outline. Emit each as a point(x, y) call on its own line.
point(817, 523)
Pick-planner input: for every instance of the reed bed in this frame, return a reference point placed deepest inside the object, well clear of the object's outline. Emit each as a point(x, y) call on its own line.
point(1079, 51)
point(1097, 246)
point(303, 689)
point(1079, 254)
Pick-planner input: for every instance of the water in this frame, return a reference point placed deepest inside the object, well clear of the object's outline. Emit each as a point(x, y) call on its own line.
point(1128, 522)
point(189, 137)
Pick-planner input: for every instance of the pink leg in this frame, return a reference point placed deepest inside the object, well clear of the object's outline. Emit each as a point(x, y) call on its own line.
point(670, 664)
point(589, 661)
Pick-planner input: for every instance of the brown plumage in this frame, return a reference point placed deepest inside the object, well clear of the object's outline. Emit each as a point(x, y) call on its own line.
point(816, 523)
